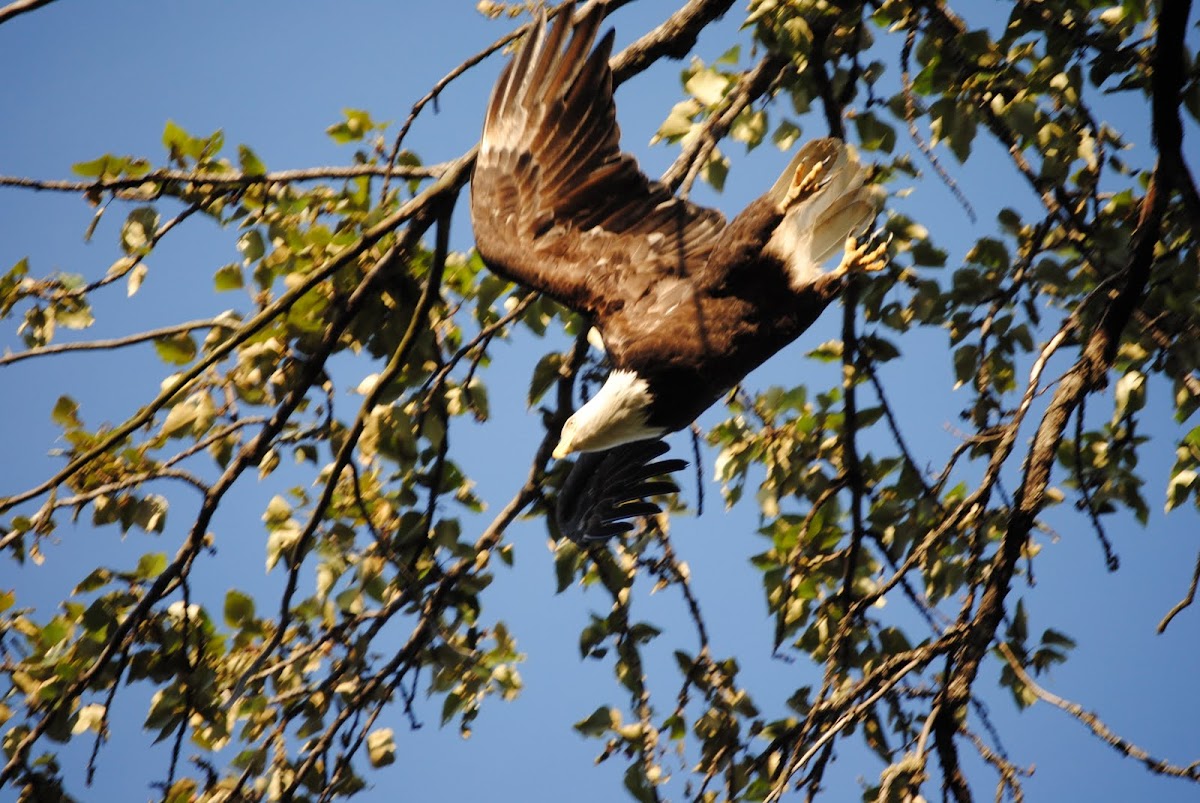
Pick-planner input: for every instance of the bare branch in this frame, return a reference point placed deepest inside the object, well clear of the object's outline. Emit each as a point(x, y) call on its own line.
point(910, 117)
point(1158, 766)
point(1185, 602)
point(880, 682)
point(674, 38)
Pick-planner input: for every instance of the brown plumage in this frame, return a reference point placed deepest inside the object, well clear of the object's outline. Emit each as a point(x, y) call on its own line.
point(686, 304)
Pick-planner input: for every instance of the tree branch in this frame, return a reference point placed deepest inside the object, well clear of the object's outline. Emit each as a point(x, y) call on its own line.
point(1155, 765)
point(227, 178)
point(113, 343)
point(21, 7)
point(1185, 602)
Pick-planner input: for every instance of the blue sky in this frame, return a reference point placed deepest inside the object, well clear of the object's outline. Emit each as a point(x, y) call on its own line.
point(87, 78)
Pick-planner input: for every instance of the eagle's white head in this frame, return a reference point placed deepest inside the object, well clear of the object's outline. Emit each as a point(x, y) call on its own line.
point(615, 415)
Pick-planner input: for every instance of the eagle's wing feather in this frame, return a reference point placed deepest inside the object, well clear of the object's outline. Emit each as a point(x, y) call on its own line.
point(555, 204)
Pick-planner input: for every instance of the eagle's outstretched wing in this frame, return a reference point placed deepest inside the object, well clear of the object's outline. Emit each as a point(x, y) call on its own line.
point(606, 489)
point(555, 204)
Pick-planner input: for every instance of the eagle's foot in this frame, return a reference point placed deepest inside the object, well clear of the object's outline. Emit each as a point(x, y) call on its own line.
point(804, 185)
point(867, 256)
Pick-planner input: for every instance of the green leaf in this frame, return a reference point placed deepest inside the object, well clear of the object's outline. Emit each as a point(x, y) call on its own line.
point(786, 134)
point(599, 722)
point(566, 561)
point(137, 274)
point(357, 124)
point(1178, 489)
point(151, 565)
point(178, 421)
point(953, 124)
point(966, 361)
point(97, 578)
point(180, 144)
point(66, 413)
point(229, 277)
point(927, 255)
point(252, 246)
point(151, 514)
point(829, 351)
point(1057, 638)
point(545, 374)
point(1130, 394)
point(239, 609)
point(707, 86)
point(178, 349)
point(679, 122)
point(250, 163)
point(104, 166)
point(874, 134)
point(750, 127)
point(716, 169)
point(89, 718)
point(638, 784)
point(182, 791)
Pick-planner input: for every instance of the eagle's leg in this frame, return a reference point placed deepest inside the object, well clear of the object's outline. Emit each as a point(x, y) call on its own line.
point(868, 256)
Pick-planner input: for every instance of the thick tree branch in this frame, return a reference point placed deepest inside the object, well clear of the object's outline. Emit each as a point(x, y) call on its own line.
point(674, 38)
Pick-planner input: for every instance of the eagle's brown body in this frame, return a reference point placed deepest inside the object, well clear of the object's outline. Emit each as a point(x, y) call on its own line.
point(694, 338)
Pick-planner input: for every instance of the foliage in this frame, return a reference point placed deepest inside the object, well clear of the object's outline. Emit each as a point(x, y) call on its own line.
point(356, 261)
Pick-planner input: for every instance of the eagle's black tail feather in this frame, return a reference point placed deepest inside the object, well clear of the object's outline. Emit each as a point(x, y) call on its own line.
point(606, 489)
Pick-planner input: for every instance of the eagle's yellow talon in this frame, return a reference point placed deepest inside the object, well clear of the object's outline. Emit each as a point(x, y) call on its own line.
point(869, 256)
point(803, 185)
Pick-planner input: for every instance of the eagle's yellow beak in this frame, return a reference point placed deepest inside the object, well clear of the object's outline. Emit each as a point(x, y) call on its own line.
point(562, 450)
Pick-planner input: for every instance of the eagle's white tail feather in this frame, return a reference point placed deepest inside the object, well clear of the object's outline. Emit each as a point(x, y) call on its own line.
point(850, 216)
point(816, 227)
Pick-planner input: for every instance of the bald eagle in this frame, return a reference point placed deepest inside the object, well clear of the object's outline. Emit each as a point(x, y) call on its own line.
point(686, 303)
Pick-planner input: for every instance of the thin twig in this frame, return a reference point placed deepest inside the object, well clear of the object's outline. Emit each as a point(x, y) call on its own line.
point(1155, 765)
point(114, 343)
point(1185, 602)
point(910, 117)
